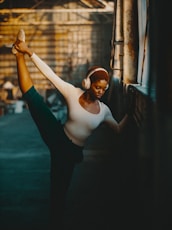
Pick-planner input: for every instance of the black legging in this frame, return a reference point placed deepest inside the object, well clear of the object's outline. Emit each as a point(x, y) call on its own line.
point(64, 154)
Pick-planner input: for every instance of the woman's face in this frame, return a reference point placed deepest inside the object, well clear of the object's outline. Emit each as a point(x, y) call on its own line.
point(98, 88)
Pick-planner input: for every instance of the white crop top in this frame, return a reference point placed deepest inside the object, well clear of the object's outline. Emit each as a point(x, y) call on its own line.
point(80, 122)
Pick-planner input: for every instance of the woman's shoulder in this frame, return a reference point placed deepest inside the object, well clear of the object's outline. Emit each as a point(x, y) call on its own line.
point(69, 87)
point(73, 91)
point(104, 107)
point(77, 90)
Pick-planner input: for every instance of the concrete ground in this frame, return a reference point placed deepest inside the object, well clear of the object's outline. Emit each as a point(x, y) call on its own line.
point(93, 198)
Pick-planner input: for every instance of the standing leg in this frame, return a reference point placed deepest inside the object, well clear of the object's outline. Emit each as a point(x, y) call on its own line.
point(61, 174)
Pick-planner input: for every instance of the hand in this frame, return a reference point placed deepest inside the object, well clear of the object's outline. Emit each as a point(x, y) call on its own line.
point(22, 47)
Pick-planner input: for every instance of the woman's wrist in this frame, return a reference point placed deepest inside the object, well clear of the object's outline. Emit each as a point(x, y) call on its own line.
point(29, 52)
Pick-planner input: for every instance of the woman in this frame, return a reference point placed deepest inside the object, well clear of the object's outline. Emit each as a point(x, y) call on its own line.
point(85, 114)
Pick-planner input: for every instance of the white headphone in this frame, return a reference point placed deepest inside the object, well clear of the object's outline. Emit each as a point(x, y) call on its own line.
point(86, 82)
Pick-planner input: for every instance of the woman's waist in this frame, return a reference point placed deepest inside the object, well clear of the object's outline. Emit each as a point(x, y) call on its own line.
point(75, 136)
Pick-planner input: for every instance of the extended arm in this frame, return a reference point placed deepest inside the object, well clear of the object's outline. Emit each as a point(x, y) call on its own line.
point(116, 126)
point(61, 85)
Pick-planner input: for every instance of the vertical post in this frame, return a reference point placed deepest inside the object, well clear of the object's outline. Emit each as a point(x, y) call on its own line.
point(118, 42)
point(130, 31)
